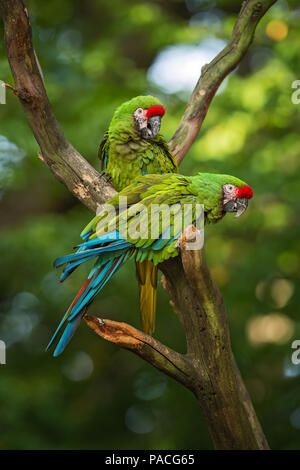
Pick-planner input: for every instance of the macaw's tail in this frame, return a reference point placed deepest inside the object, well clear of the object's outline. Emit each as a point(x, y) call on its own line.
point(146, 274)
point(111, 255)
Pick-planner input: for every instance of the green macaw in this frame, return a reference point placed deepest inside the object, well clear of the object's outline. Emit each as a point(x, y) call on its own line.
point(122, 231)
point(131, 147)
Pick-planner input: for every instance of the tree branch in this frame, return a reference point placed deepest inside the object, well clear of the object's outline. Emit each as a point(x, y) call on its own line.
point(208, 369)
point(214, 73)
point(148, 348)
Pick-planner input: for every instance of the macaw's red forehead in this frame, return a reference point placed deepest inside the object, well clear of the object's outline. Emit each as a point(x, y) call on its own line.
point(155, 111)
point(245, 191)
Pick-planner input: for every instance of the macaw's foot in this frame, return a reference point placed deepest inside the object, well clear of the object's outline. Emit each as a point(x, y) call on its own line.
point(107, 177)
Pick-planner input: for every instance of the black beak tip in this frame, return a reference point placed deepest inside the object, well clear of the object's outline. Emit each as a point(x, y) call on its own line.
point(238, 205)
point(153, 126)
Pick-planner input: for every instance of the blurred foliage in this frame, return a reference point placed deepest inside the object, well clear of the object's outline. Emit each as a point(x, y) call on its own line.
point(95, 55)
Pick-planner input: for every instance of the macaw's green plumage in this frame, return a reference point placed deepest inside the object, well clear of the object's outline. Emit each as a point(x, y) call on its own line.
point(131, 147)
point(131, 225)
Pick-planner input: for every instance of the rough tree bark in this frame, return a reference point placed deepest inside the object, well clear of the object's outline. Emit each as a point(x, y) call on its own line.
point(208, 368)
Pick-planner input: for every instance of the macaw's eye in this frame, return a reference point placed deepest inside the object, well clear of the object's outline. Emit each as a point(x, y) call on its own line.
point(229, 187)
point(139, 110)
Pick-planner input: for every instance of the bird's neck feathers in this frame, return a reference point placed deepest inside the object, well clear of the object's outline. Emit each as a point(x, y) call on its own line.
point(209, 193)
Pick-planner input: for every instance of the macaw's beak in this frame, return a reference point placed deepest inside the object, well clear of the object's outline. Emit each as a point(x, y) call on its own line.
point(152, 129)
point(238, 205)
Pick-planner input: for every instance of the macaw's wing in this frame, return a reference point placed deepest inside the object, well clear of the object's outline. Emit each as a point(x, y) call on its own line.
point(142, 187)
point(156, 186)
point(154, 224)
point(153, 215)
point(104, 152)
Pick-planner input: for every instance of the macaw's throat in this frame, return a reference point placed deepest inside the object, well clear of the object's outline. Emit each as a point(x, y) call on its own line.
point(238, 205)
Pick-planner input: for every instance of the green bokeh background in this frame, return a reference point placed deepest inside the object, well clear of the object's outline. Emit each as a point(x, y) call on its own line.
point(95, 55)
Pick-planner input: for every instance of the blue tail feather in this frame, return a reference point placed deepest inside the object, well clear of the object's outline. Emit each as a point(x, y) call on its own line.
point(83, 254)
point(57, 330)
point(74, 315)
point(108, 247)
point(95, 286)
point(90, 292)
point(107, 237)
point(67, 335)
point(72, 266)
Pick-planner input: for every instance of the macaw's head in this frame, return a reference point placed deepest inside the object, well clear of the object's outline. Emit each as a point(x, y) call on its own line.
point(231, 192)
point(141, 115)
point(236, 196)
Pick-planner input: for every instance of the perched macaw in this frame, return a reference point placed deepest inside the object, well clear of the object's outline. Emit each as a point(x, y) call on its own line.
point(131, 147)
point(104, 239)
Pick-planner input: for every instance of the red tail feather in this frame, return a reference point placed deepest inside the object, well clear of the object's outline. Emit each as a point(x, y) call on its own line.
point(82, 289)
